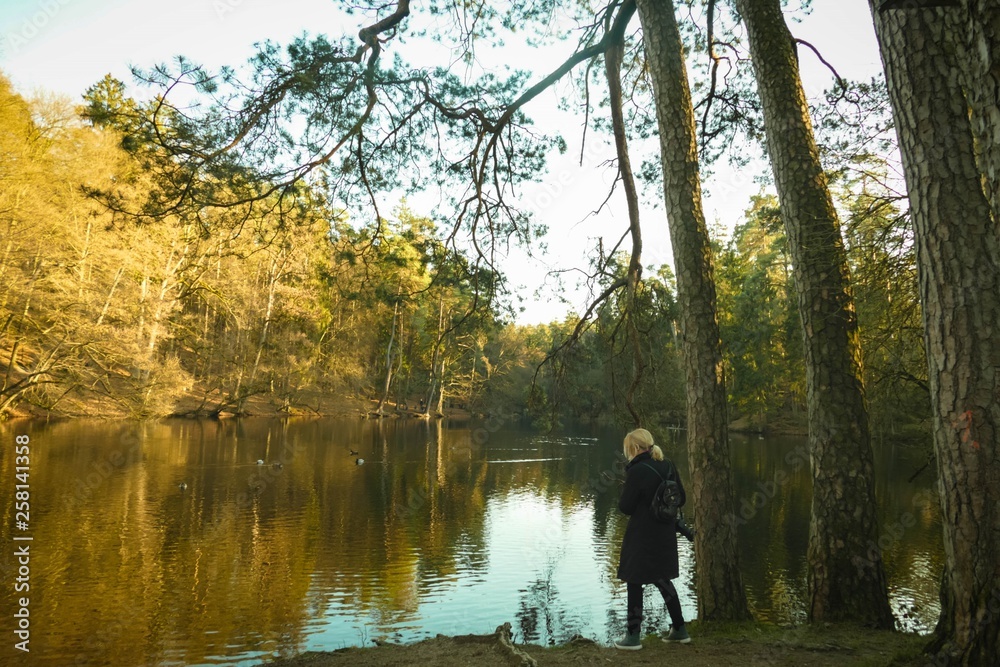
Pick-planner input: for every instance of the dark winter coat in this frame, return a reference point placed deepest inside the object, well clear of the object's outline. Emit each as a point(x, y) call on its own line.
point(649, 548)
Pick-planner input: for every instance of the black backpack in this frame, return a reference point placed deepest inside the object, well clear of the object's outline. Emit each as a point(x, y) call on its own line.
point(667, 500)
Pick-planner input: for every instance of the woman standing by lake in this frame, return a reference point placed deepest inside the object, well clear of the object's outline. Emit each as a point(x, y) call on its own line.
point(649, 548)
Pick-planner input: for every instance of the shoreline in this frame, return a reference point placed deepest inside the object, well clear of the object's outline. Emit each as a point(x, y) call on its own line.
point(318, 406)
point(750, 643)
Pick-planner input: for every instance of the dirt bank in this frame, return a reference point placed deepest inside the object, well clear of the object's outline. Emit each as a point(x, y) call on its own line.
point(713, 645)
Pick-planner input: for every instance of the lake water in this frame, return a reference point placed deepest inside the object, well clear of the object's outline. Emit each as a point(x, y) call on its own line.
point(450, 530)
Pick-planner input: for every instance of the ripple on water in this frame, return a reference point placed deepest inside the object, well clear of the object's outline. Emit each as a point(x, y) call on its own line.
point(317, 559)
point(557, 458)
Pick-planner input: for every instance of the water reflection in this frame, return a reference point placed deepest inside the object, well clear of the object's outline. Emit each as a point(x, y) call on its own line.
point(773, 499)
point(166, 543)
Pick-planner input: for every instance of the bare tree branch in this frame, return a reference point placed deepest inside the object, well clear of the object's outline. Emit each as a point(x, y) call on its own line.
point(840, 79)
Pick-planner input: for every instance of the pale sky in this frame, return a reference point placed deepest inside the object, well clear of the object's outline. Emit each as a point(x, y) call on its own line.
point(64, 46)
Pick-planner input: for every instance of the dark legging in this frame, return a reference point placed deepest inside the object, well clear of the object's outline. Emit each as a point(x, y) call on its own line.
point(669, 593)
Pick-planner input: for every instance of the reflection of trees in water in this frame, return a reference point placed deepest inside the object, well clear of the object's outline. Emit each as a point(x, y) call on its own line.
point(654, 613)
point(536, 605)
point(773, 495)
point(384, 537)
point(539, 607)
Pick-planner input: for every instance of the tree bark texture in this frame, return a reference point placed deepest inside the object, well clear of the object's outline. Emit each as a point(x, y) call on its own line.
point(846, 575)
point(958, 264)
point(981, 28)
point(718, 585)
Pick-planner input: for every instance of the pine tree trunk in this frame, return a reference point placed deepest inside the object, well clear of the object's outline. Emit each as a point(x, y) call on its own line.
point(958, 265)
point(981, 28)
point(846, 573)
point(719, 585)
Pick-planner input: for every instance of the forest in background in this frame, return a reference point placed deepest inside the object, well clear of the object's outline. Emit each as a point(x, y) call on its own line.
point(285, 305)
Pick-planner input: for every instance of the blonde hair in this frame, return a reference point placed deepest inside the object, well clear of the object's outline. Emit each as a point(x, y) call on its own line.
point(638, 441)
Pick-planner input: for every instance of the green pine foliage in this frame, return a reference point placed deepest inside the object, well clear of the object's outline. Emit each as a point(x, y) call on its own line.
point(761, 333)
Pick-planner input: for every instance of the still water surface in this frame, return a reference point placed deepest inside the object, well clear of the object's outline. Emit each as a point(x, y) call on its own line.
point(441, 530)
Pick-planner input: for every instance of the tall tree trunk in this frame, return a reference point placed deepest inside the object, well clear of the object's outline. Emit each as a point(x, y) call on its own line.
point(958, 265)
point(440, 402)
point(171, 279)
point(846, 575)
point(437, 365)
point(81, 273)
point(388, 358)
point(399, 359)
point(111, 293)
point(981, 67)
point(143, 306)
point(274, 276)
point(719, 585)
